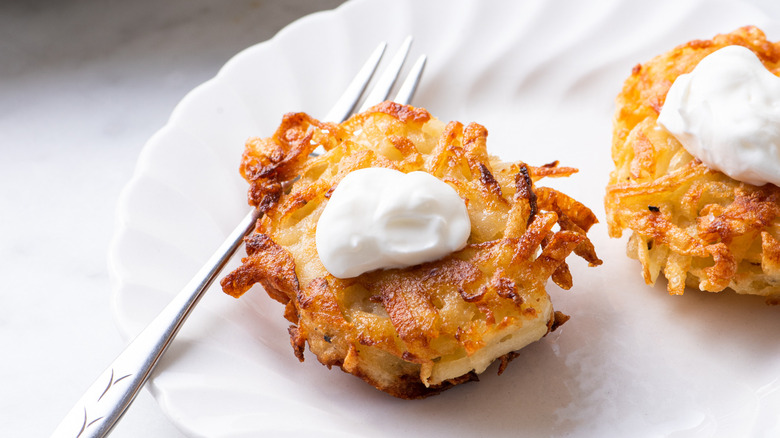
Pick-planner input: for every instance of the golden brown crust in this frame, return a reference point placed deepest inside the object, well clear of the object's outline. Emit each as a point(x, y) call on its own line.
point(697, 226)
point(398, 328)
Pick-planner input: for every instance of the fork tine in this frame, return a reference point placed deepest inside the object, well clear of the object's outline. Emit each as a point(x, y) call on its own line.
point(349, 100)
point(409, 86)
point(385, 83)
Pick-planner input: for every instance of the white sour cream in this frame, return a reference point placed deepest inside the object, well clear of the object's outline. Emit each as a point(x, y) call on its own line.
point(726, 112)
point(380, 218)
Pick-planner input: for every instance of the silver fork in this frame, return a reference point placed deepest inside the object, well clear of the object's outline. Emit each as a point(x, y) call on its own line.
point(104, 403)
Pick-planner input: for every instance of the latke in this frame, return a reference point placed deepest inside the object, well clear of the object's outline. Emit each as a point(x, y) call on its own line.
point(416, 331)
point(695, 225)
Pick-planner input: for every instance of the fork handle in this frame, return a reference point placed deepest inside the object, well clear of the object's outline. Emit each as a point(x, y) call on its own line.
point(104, 403)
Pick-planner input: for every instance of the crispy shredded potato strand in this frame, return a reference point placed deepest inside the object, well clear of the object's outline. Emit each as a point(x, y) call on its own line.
point(695, 225)
point(410, 332)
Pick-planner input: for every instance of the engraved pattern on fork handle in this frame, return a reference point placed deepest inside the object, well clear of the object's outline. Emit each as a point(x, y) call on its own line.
point(87, 423)
point(104, 403)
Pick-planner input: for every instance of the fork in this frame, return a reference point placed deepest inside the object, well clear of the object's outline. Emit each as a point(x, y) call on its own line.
point(106, 400)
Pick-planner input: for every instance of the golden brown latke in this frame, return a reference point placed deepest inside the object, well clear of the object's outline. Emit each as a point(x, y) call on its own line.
point(410, 332)
point(696, 225)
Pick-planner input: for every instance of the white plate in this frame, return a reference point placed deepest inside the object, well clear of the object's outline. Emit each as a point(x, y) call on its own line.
point(542, 76)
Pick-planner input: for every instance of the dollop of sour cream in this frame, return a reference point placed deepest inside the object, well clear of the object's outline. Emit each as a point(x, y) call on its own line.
point(726, 112)
point(379, 218)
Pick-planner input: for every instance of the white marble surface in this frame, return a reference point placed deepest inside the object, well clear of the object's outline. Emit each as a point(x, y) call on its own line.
point(83, 85)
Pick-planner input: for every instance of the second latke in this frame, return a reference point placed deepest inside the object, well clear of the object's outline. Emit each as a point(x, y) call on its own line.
point(695, 225)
